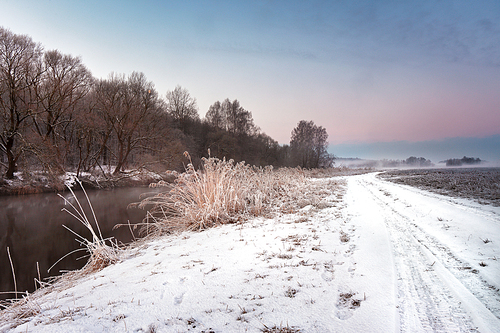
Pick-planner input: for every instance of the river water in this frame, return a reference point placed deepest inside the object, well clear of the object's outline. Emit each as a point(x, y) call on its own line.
point(31, 226)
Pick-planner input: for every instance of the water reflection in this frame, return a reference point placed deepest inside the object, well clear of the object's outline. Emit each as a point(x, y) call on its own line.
point(31, 226)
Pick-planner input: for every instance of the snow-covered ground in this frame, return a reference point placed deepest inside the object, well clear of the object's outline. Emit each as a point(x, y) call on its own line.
point(377, 257)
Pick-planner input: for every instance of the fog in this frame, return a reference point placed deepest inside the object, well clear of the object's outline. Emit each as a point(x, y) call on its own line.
point(486, 148)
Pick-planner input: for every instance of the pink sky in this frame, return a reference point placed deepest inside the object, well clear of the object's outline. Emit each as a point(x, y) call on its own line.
point(366, 71)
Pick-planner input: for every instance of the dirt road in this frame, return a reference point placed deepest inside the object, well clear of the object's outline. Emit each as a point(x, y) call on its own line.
point(444, 254)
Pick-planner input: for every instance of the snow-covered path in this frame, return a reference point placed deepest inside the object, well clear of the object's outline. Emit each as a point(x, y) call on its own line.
point(446, 271)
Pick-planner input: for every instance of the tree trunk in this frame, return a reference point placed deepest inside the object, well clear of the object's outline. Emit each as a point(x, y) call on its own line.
point(11, 159)
point(120, 161)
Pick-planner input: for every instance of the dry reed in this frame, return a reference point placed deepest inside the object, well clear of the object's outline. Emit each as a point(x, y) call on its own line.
point(220, 192)
point(13, 272)
point(101, 254)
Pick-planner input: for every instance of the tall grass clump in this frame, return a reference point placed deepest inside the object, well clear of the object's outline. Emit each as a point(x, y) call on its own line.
point(219, 192)
point(100, 253)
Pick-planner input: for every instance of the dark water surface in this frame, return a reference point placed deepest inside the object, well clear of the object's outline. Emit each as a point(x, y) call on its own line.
point(31, 226)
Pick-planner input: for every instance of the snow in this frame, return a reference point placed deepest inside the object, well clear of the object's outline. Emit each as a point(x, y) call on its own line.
point(379, 257)
point(69, 179)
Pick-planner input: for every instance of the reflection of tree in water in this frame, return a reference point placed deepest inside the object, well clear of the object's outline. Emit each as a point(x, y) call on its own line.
point(11, 228)
point(7, 242)
point(27, 239)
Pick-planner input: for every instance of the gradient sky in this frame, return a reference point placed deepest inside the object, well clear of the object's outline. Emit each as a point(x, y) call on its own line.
point(375, 74)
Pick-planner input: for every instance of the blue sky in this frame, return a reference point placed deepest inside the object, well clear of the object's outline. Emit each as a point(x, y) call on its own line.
point(378, 75)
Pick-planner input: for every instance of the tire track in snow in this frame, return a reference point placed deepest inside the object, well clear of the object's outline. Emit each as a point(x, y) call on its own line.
point(425, 301)
point(488, 294)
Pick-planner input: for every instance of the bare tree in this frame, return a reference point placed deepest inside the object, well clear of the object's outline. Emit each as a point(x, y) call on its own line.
point(136, 118)
point(88, 129)
point(215, 116)
point(65, 82)
point(20, 71)
point(309, 145)
point(181, 106)
point(128, 107)
point(232, 117)
point(108, 98)
point(53, 112)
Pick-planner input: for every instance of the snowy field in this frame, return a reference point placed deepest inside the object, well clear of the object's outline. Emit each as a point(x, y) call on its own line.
point(481, 184)
point(375, 257)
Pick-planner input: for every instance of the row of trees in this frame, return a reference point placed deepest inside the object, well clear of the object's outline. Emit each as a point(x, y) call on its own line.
point(417, 162)
point(56, 117)
point(463, 161)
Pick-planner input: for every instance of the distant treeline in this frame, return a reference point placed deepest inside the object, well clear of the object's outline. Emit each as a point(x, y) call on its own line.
point(56, 117)
point(462, 161)
point(411, 161)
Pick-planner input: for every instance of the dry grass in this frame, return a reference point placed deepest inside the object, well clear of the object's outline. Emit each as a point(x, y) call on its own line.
point(221, 192)
point(19, 311)
point(280, 329)
point(101, 254)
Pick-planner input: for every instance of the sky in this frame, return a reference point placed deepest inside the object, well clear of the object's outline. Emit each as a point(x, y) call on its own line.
point(382, 77)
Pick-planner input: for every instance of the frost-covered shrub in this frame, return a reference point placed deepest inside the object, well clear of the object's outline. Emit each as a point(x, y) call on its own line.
point(220, 192)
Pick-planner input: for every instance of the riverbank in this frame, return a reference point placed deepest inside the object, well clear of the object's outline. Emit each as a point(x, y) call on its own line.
point(39, 182)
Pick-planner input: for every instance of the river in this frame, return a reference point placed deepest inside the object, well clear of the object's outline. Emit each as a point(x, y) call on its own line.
point(31, 226)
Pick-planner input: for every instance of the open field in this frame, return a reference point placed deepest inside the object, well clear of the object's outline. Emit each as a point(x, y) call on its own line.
point(481, 184)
